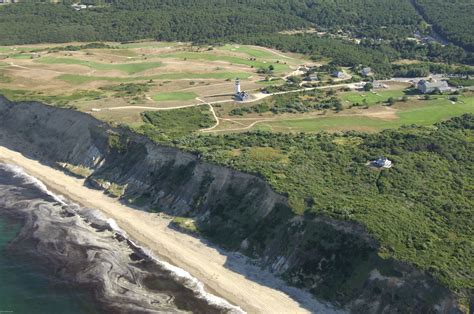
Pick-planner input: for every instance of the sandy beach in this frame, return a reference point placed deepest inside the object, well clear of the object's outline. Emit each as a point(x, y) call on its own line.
point(152, 231)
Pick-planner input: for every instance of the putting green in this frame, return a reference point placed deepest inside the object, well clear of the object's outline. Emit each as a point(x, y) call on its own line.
point(183, 96)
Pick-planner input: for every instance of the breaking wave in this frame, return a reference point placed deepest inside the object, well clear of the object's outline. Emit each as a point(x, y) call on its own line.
point(91, 249)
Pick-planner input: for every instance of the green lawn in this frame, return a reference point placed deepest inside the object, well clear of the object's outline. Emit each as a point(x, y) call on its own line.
point(174, 96)
point(252, 52)
point(424, 113)
point(371, 97)
point(20, 56)
point(279, 67)
point(129, 68)
point(82, 79)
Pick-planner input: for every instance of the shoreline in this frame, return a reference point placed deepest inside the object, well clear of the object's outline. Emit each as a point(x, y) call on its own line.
point(179, 249)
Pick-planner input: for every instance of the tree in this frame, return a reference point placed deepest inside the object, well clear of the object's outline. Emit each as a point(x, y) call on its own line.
point(368, 86)
point(294, 79)
point(338, 106)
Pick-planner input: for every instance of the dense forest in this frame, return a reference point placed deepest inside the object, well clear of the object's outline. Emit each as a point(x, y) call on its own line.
point(36, 23)
point(368, 53)
point(418, 209)
point(452, 19)
point(255, 22)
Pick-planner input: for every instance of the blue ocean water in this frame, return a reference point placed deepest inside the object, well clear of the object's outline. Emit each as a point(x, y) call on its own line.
point(59, 257)
point(26, 287)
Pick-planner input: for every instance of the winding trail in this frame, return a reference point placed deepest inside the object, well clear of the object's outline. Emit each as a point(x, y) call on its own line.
point(388, 114)
point(213, 113)
point(255, 97)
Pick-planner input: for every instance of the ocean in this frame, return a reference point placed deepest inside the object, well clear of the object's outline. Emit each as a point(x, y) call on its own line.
point(58, 257)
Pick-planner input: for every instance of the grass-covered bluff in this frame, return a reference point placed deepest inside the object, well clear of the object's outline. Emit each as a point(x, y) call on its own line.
point(419, 210)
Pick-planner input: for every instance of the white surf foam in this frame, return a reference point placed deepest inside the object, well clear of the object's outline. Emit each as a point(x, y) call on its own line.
point(190, 281)
point(185, 277)
point(19, 172)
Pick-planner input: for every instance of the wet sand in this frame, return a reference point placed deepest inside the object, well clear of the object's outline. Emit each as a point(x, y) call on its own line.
point(152, 231)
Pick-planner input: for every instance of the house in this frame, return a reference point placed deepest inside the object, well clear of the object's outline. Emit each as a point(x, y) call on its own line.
point(366, 71)
point(242, 96)
point(427, 87)
point(338, 74)
point(382, 162)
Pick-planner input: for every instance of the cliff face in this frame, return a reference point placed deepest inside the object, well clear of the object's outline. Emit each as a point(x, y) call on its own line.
point(335, 260)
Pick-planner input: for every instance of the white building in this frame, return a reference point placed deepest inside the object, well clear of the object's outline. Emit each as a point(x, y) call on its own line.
point(338, 74)
point(239, 94)
point(237, 86)
point(427, 87)
point(382, 162)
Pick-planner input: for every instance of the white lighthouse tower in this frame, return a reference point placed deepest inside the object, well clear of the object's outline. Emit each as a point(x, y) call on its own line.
point(238, 90)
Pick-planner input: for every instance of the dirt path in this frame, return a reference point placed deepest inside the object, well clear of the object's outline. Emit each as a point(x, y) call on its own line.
point(213, 113)
point(388, 114)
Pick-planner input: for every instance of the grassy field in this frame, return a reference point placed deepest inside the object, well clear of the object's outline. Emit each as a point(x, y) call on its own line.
point(372, 97)
point(176, 123)
point(174, 72)
point(19, 56)
point(60, 100)
point(129, 68)
point(420, 112)
point(81, 79)
point(251, 51)
point(279, 67)
point(174, 96)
